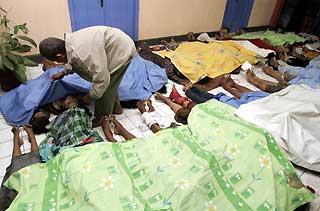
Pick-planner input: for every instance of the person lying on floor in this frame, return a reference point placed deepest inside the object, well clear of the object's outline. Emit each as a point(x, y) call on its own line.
point(18, 162)
point(182, 105)
point(286, 75)
point(40, 119)
point(118, 129)
point(71, 128)
point(265, 85)
point(153, 119)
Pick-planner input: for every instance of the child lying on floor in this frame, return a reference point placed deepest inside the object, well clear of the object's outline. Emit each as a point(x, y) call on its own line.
point(153, 119)
point(183, 105)
point(73, 128)
point(286, 75)
point(18, 162)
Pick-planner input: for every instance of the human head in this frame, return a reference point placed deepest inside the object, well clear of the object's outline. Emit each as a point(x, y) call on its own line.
point(53, 49)
point(39, 122)
point(182, 115)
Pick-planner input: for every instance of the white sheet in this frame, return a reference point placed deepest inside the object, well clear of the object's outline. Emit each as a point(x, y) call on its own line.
point(293, 115)
point(248, 45)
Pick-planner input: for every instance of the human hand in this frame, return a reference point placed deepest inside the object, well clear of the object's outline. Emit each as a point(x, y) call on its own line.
point(87, 99)
point(58, 76)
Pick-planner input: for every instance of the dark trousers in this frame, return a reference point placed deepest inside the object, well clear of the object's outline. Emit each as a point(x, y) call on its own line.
point(198, 96)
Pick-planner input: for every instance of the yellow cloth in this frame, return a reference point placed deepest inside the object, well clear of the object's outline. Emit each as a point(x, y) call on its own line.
point(311, 55)
point(197, 60)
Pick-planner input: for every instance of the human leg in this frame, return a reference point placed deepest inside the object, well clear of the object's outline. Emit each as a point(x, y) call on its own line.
point(264, 85)
point(105, 124)
point(106, 104)
point(31, 138)
point(120, 130)
point(174, 106)
point(17, 142)
point(197, 95)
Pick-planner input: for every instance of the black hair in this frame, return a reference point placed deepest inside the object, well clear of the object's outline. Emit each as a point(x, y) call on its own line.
point(50, 47)
point(39, 124)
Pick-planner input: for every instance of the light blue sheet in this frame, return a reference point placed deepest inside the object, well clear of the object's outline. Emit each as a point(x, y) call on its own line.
point(310, 75)
point(19, 104)
point(245, 98)
point(141, 80)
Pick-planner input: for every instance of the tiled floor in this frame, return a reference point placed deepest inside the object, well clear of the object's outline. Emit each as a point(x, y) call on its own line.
point(132, 121)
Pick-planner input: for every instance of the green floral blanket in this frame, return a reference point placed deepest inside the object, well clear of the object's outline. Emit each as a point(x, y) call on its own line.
point(216, 163)
point(274, 38)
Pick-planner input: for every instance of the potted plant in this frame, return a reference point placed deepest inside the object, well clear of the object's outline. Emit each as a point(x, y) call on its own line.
point(13, 43)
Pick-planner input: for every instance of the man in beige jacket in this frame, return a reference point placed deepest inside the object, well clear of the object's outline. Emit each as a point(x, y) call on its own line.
point(99, 54)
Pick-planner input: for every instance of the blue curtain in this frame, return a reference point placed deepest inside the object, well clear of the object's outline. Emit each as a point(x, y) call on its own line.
point(237, 14)
point(122, 14)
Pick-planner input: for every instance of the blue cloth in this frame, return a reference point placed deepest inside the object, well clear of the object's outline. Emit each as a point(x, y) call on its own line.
point(141, 80)
point(309, 75)
point(245, 98)
point(19, 104)
point(237, 14)
point(122, 14)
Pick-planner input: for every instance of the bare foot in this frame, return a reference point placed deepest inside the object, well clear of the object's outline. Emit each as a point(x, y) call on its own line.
point(105, 124)
point(274, 63)
point(266, 69)
point(224, 80)
point(118, 128)
point(187, 84)
point(250, 75)
point(149, 103)
point(29, 130)
point(160, 97)
point(16, 133)
point(141, 106)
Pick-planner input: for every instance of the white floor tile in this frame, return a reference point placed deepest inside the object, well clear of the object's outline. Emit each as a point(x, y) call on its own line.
point(136, 120)
point(126, 123)
point(6, 149)
point(136, 133)
point(130, 112)
point(120, 116)
point(6, 135)
point(147, 133)
point(311, 180)
point(4, 127)
point(4, 163)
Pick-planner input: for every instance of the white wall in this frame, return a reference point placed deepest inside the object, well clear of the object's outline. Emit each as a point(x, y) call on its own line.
point(261, 12)
point(158, 18)
point(44, 18)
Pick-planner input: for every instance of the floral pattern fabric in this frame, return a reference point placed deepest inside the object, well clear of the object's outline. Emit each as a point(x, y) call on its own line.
point(217, 162)
point(197, 60)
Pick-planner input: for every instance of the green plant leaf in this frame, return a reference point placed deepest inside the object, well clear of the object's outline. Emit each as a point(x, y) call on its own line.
point(22, 49)
point(5, 22)
point(21, 73)
point(15, 29)
point(25, 38)
point(14, 59)
point(29, 62)
point(7, 63)
point(14, 42)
